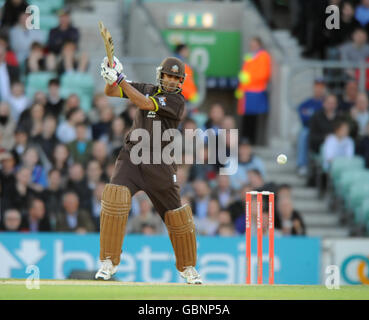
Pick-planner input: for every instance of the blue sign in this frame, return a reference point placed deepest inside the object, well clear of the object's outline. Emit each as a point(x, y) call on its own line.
point(151, 258)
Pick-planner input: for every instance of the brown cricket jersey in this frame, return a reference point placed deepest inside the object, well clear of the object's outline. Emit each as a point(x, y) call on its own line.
point(169, 111)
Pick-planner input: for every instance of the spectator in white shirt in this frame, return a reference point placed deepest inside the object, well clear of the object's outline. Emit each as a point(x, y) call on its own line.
point(21, 38)
point(338, 144)
point(66, 131)
point(4, 76)
point(18, 100)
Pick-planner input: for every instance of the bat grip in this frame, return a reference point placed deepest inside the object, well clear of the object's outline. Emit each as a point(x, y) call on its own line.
point(114, 64)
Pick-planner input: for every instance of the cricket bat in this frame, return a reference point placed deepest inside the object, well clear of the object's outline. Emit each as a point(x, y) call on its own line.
point(108, 41)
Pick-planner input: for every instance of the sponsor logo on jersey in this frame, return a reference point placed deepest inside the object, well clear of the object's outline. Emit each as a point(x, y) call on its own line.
point(151, 114)
point(162, 101)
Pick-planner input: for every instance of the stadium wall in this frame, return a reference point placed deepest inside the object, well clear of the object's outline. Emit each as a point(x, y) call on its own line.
point(150, 44)
point(151, 259)
point(351, 256)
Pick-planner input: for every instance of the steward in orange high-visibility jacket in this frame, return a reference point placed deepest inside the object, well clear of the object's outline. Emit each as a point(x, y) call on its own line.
point(253, 80)
point(189, 89)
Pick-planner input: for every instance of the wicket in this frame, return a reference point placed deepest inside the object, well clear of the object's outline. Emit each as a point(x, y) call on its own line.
point(259, 228)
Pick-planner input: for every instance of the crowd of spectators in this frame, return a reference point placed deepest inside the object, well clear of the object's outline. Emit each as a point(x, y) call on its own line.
point(56, 157)
point(322, 42)
point(335, 119)
point(310, 22)
point(51, 185)
point(333, 126)
point(348, 42)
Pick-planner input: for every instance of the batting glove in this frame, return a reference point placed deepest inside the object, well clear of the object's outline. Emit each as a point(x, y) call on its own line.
point(111, 76)
point(117, 65)
point(108, 74)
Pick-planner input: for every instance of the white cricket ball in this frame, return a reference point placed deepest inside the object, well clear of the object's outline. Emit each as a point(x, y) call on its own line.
point(282, 159)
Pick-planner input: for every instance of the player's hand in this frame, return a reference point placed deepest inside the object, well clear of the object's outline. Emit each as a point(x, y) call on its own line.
point(109, 75)
point(117, 65)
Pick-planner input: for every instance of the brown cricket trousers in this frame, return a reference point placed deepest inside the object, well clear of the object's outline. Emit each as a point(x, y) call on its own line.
point(156, 180)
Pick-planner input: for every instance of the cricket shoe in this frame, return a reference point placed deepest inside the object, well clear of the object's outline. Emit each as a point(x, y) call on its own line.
point(191, 276)
point(106, 271)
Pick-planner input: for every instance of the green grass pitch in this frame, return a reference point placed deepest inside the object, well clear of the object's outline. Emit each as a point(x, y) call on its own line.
point(91, 290)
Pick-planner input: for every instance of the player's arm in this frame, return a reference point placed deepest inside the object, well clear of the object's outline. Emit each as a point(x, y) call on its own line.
point(137, 98)
point(113, 76)
point(132, 93)
point(113, 91)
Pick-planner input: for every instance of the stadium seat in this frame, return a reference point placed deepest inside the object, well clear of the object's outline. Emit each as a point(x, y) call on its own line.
point(53, 5)
point(86, 102)
point(362, 213)
point(83, 82)
point(80, 83)
point(341, 164)
point(48, 21)
point(348, 178)
point(46, 7)
point(38, 81)
point(357, 194)
point(57, 4)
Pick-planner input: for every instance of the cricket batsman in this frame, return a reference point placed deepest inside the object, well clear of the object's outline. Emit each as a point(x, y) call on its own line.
point(165, 103)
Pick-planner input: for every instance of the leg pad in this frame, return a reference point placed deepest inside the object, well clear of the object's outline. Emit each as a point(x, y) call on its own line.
point(115, 206)
point(181, 229)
